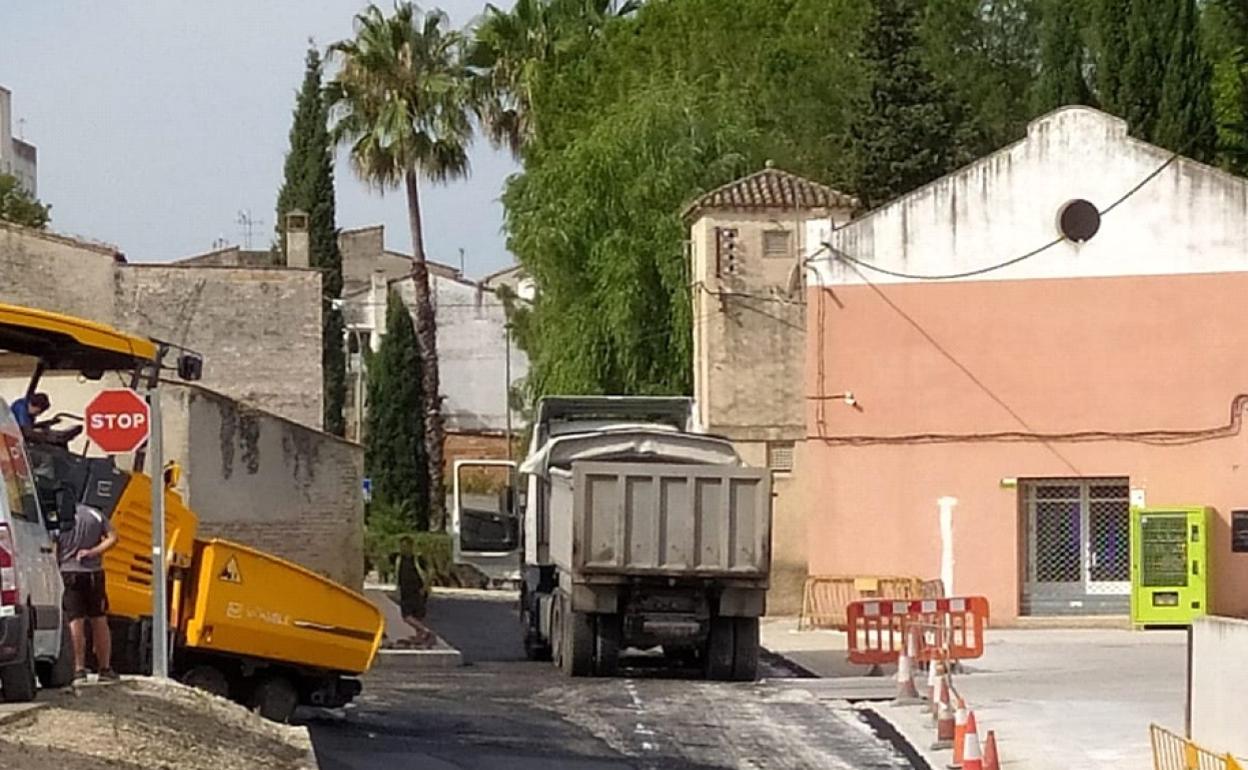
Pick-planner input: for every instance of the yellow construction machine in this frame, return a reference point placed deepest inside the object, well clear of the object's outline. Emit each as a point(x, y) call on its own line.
point(245, 624)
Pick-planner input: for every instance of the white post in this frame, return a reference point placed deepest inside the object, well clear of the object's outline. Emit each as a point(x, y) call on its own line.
point(160, 604)
point(947, 505)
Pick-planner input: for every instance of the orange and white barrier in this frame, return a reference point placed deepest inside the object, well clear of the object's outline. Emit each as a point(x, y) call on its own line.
point(951, 629)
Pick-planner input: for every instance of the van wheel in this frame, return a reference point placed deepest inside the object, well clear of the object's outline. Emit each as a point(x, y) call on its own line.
point(275, 699)
point(17, 681)
point(207, 678)
point(60, 672)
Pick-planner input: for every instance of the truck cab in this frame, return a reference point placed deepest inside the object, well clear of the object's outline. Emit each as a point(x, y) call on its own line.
point(34, 638)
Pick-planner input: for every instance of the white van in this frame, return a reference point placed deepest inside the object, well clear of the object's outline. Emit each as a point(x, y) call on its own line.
point(34, 636)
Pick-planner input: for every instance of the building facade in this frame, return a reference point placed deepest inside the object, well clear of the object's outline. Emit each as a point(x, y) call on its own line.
point(18, 158)
point(478, 360)
point(749, 315)
point(1001, 363)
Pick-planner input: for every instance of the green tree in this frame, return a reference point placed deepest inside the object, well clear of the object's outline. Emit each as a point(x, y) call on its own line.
point(405, 99)
point(1139, 92)
point(309, 186)
point(394, 443)
point(1061, 80)
point(902, 128)
point(1225, 36)
point(19, 206)
point(1113, 46)
point(1185, 107)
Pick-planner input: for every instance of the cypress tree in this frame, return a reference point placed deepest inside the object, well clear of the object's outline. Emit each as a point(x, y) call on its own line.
point(1185, 120)
point(394, 443)
point(1113, 47)
point(1139, 93)
point(903, 133)
point(1061, 80)
point(309, 186)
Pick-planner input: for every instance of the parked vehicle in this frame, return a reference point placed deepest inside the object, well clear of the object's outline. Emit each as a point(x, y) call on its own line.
point(34, 636)
point(636, 532)
point(245, 624)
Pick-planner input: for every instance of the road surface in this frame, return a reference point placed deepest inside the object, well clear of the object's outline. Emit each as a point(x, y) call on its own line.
point(501, 711)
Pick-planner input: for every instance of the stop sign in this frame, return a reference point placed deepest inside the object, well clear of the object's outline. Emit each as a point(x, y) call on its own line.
point(118, 420)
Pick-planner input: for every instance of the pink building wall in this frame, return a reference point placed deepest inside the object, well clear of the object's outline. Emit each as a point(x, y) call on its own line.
point(1044, 356)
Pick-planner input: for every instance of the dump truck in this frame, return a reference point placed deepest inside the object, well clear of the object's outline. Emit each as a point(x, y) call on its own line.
point(244, 624)
point(635, 532)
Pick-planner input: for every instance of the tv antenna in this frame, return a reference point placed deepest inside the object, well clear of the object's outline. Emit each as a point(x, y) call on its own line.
point(248, 226)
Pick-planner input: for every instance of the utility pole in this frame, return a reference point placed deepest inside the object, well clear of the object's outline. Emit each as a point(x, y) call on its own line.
point(160, 604)
point(507, 384)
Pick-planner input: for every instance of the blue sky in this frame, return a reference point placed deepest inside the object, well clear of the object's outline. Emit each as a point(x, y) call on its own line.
point(157, 122)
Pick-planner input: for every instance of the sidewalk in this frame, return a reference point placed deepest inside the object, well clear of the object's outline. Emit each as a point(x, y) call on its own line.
point(1057, 699)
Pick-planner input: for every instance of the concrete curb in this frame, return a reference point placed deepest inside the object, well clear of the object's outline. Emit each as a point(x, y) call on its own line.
point(13, 712)
point(441, 655)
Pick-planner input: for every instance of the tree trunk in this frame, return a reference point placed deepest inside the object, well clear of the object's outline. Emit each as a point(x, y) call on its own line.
point(427, 343)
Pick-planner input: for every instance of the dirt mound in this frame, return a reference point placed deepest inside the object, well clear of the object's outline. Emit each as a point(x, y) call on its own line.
point(141, 723)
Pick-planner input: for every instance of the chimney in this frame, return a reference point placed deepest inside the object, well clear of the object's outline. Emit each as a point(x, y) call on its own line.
point(297, 248)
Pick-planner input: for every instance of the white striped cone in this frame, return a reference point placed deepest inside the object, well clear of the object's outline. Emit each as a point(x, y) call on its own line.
point(972, 756)
point(932, 680)
point(907, 693)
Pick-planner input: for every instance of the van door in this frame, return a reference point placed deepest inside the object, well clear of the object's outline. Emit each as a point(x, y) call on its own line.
point(38, 574)
point(485, 525)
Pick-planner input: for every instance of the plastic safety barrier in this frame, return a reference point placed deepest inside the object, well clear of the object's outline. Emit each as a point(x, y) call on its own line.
point(1174, 752)
point(949, 629)
point(827, 597)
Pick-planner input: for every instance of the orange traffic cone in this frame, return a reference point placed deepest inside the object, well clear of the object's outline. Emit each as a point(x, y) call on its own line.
point(931, 686)
point(907, 693)
point(946, 724)
point(959, 734)
point(991, 762)
point(972, 757)
point(942, 699)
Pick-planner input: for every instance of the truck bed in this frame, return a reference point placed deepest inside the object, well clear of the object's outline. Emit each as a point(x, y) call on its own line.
point(620, 519)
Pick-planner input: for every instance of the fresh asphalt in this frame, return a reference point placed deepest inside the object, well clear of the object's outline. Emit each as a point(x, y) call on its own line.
point(501, 711)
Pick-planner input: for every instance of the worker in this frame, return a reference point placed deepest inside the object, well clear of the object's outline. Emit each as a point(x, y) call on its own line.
point(25, 410)
point(79, 552)
point(411, 579)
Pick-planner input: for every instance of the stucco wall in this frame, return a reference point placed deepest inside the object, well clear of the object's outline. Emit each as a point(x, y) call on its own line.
point(270, 483)
point(788, 534)
point(1043, 356)
point(472, 354)
point(1218, 681)
point(250, 475)
point(258, 329)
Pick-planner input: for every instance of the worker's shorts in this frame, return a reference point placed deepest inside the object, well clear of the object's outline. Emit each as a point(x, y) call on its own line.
point(85, 596)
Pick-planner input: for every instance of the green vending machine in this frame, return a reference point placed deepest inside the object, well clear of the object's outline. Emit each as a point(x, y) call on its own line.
point(1169, 565)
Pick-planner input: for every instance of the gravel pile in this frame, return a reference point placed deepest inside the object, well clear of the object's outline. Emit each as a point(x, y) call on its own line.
point(141, 723)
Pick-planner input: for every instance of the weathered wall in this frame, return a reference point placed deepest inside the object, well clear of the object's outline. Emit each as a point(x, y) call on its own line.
point(788, 534)
point(258, 329)
point(1217, 683)
point(250, 475)
point(54, 273)
point(472, 353)
point(271, 483)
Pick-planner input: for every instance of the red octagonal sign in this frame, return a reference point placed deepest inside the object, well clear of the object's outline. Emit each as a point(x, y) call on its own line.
point(118, 420)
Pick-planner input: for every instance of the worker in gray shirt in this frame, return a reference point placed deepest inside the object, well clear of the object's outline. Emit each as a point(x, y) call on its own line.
point(79, 551)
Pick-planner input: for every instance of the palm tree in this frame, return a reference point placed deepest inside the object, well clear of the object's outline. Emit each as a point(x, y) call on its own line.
point(510, 47)
point(403, 100)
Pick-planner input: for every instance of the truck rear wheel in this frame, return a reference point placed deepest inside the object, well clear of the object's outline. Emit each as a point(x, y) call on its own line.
point(608, 632)
point(720, 649)
point(573, 634)
point(275, 699)
point(745, 649)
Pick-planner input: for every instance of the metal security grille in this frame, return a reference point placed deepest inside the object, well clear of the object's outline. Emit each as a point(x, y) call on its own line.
point(1078, 554)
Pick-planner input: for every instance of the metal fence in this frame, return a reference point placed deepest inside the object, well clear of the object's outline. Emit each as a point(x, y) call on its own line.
point(1172, 751)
